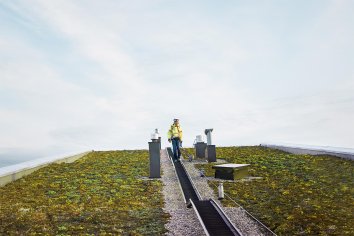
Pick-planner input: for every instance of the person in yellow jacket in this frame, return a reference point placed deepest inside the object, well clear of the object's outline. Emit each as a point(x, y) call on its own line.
point(174, 135)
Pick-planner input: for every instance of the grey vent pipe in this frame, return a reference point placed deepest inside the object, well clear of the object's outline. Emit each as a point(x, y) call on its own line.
point(208, 134)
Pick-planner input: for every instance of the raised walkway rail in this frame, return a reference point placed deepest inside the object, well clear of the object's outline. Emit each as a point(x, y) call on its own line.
point(212, 218)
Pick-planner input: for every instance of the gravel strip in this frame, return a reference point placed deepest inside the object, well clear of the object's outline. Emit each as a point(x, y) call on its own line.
point(183, 220)
point(237, 215)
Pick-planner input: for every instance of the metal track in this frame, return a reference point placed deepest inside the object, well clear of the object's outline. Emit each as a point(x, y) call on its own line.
point(212, 218)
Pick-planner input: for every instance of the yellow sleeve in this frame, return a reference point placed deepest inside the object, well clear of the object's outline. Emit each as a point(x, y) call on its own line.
point(169, 134)
point(180, 134)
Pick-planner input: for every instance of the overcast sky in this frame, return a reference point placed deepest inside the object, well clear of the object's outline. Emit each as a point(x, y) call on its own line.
point(81, 75)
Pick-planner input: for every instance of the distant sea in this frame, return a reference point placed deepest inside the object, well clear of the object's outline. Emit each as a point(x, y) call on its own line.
point(8, 161)
point(13, 156)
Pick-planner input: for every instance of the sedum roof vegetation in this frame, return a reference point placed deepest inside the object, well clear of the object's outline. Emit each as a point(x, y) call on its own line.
point(297, 194)
point(102, 193)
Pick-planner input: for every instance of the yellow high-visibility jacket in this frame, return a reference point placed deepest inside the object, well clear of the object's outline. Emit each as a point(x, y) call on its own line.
point(175, 132)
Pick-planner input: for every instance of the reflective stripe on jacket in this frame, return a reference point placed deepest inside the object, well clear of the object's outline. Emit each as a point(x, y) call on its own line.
point(175, 132)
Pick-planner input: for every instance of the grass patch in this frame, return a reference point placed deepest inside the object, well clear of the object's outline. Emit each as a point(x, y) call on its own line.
point(101, 193)
point(297, 195)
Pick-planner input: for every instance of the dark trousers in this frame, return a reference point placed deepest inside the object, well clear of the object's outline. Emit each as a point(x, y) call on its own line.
point(176, 148)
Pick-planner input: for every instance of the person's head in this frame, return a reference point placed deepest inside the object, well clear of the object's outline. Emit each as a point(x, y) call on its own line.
point(175, 121)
